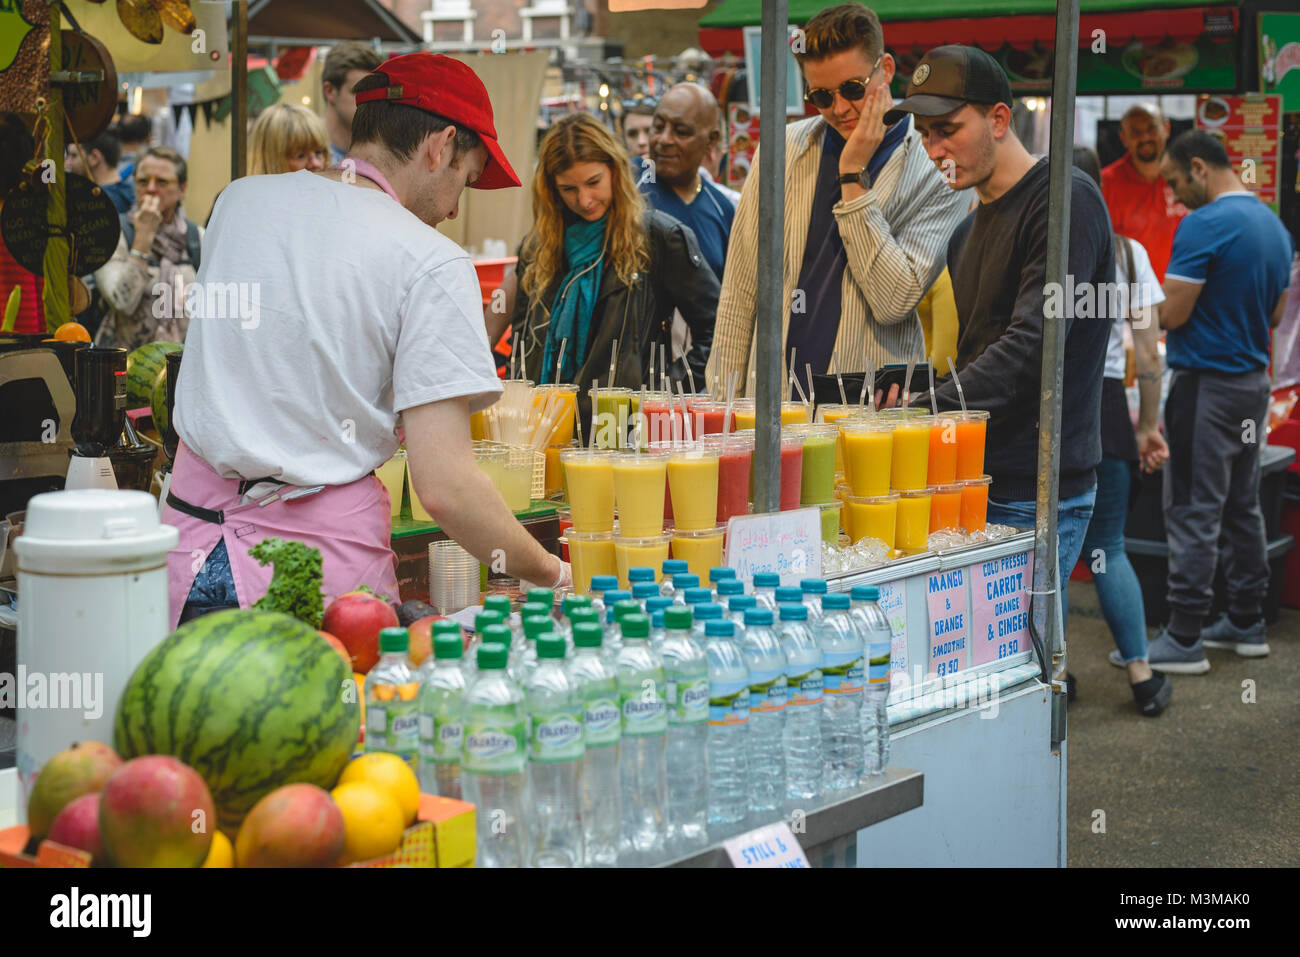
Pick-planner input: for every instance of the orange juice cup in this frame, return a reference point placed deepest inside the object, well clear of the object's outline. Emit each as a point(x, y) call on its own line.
point(873, 516)
point(566, 394)
point(868, 454)
point(911, 457)
point(638, 493)
point(589, 476)
point(554, 470)
point(701, 548)
point(975, 503)
point(794, 413)
point(693, 482)
point(651, 551)
point(592, 553)
point(972, 428)
point(745, 413)
point(477, 426)
point(912, 533)
point(833, 415)
point(945, 507)
point(942, 469)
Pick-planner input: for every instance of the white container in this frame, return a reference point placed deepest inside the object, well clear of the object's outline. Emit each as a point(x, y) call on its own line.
point(92, 602)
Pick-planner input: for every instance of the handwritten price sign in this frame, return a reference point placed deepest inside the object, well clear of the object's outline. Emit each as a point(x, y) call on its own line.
point(945, 593)
point(1000, 608)
point(894, 605)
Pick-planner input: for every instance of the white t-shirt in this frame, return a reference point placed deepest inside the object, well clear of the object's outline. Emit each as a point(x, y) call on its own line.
point(326, 310)
point(1148, 293)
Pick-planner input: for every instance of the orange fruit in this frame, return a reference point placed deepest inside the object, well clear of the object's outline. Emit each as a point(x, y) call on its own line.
point(392, 774)
point(71, 332)
point(372, 821)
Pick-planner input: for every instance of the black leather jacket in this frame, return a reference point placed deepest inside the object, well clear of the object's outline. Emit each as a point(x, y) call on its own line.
point(637, 315)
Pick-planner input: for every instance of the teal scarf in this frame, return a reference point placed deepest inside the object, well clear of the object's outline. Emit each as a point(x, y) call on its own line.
point(571, 312)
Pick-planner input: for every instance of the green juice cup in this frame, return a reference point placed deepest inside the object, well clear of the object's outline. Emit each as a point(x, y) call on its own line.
point(817, 482)
point(612, 417)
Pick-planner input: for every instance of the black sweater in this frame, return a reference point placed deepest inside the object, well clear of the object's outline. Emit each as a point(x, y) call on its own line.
point(998, 261)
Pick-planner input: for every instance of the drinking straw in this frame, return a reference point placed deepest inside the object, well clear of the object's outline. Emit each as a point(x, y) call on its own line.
point(691, 376)
point(559, 360)
point(595, 390)
point(868, 385)
point(514, 358)
point(794, 381)
point(613, 362)
point(793, 352)
point(577, 421)
point(663, 372)
point(961, 396)
point(731, 401)
point(934, 409)
point(907, 383)
point(641, 421)
point(839, 379)
point(686, 423)
point(749, 390)
point(652, 367)
point(808, 403)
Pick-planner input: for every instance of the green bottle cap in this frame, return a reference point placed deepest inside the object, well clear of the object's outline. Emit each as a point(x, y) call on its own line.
point(587, 634)
point(392, 640)
point(447, 645)
point(625, 607)
point(635, 625)
point(678, 618)
point(492, 656)
point(535, 625)
point(497, 603)
point(541, 596)
point(550, 646)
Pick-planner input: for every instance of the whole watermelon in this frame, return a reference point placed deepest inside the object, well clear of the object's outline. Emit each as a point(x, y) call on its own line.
point(159, 402)
point(252, 700)
point(142, 368)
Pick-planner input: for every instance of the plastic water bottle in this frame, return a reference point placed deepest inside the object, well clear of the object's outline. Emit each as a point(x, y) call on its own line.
point(501, 605)
point(687, 671)
point(765, 660)
point(599, 585)
point(726, 589)
point(874, 626)
point(737, 605)
point(597, 686)
point(719, 574)
point(642, 688)
point(564, 624)
point(696, 596)
point(789, 595)
point(640, 574)
point(728, 727)
point(469, 663)
point(803, 713)
point(641, 591)
point(535, 626)
point(613, 635)
point(843, 677)
point(765, 586)
point(392, 711)
point(681, 582)
point(672, 567)
point(813, 589)
point(442, 688)
point(657, 626)
point(494, 760)
point(523, 654)
point(555, 753)
point(702, 615)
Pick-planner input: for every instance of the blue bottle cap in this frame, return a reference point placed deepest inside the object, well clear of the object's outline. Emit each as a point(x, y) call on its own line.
point(758, 616)
point(730, 586)
point(794, 612)
point(603, 583)
point(719, 572)
point(865, 593)
point(837, 600)
point(719, 628)
point(643, 590)
point(813, 586)
point(641, 573)
point(707, 611)
point(695, 596)
point(766, 580)
point(788, 593)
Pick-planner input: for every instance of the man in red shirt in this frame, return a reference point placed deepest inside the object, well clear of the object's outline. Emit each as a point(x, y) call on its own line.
point(1142, 205)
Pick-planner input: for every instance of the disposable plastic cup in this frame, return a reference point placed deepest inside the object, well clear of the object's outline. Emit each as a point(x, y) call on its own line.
point(975, 503)
point(663, 417)
point(517, 478)
point(693, 480)
point(817, 472)
point(791, 470)
point(701, 549)
point(942, 468)
point(912, 533)
point(708, 417)
point(972, 429)
point(910, 461)
point(613, 415)
point(945, 507)
point(418, 512)
point(868, 454)
point(874, 516)
point(477, 426)
point(591, 553)
point(568, 395)
point(831, 512)
point(393, 474)
point(745, 412)
point(834, 414)
point(453, 577)
point(589, 476)
point(638, 479)
point(735, 468)
point(794, 413)
point(651, 551)
point(565, 518)
point(554, 470)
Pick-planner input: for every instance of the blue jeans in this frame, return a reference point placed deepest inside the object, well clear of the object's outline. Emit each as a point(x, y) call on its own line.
point(1118, 590)
point(1072, 515)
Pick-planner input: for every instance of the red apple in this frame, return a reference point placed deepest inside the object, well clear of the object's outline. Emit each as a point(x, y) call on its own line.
point(420, 633)
point(78, 826)
point(356, 619)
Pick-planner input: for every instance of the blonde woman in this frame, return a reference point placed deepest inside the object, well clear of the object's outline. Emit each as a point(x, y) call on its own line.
point(287, 138)
point(599, 266)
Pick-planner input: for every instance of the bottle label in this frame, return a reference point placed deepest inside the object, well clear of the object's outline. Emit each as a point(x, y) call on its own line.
point(449, 734)
point(806, 689)
point(600, 722)
point(556, 737)
point(878, 656)
point(767, 691)
point(494, 749)
point(644, 709)
point(843, 673)
point(691, 705)
point(728, 703)
point(376, 719)
point(427, 748)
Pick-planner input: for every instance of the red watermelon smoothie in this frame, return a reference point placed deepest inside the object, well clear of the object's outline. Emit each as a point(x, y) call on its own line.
point(708, 417)
point(735, 467)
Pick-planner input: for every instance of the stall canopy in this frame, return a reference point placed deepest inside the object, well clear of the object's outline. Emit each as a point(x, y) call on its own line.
point(299, 20)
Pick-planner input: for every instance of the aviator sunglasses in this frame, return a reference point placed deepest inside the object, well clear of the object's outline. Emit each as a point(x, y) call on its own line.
point(851, 90)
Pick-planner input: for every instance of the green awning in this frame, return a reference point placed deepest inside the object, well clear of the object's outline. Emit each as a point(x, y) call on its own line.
point(742, 13)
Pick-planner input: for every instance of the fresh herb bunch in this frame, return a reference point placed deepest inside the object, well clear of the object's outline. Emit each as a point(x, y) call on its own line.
point(296, 584)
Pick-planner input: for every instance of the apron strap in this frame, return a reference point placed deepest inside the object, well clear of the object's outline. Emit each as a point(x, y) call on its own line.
point(211, 516)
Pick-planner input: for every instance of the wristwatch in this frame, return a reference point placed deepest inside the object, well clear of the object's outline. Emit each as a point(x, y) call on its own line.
point(862, 178)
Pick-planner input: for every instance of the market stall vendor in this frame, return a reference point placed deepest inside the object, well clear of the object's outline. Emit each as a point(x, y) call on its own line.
point(342, 316)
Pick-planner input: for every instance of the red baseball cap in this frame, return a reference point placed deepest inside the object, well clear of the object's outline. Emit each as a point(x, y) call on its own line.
point(448, 88)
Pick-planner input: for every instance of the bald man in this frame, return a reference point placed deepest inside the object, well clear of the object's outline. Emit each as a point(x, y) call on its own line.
point(1142, 205)
point(684, 131)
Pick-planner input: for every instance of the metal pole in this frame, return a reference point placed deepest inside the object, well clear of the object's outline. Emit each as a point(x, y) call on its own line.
point(239, 92)
point(1047, 616)
point(54, 297)
point(771, 256)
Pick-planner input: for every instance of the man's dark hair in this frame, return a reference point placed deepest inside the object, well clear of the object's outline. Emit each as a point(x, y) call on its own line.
point(133, 128)
point(16, 148)
point(1197, 144)
point(168, 154)
point(841, 28)
point(1085, 157)
point(343, 58)
point(109, 146)
point(399, 128)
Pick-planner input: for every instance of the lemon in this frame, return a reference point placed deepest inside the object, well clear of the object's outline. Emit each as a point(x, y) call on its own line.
point(220, 854)
point(372, 821)
point(392, 774)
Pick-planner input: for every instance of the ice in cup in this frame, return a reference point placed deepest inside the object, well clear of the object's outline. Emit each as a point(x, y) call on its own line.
point(873, 516)
point(611, 417)
point(589, 476)
point(975, 503)
point(393, 475)
point(942, 469)
point(912, 531)
point(831, 522)
point(591, 554)
point(638, 485)
point(817, 471)
point(651, 551)
point(568, 396)
point(945, 507)
point(701, 549)
point(910, 461)
point(868, 454)
point(693, 481)
point(972, 429)
point(735, 469)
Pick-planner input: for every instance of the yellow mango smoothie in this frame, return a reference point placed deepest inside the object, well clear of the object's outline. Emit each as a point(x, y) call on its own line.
point(693, 484)
point(589, 476)
point(638, 493)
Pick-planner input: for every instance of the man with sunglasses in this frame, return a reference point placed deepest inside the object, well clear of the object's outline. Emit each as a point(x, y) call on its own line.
point(867, 217)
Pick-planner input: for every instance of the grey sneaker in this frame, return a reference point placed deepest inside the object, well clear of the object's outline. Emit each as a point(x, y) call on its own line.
point(1248, 642)
point(1164, 653)
point(1115, 658)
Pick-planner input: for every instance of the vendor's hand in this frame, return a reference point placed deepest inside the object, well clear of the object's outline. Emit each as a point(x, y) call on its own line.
point(888, 401)
point(1153, 451)
point(866, 136)
point(147, 220)
point(563, 579)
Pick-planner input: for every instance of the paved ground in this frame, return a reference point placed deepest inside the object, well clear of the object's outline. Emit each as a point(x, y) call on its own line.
point(1211, 782)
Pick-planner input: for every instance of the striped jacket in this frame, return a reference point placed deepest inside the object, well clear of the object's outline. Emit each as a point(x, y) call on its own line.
point(896, 238)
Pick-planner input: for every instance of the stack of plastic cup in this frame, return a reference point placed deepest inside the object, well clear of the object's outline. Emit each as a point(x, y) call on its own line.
point(611, 417)
point(975, 504)
point(589, 476)
point(638, 482)
point(735, 471)
point(453, 577)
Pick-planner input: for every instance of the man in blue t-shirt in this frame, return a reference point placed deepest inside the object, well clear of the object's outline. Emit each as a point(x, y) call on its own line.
point(1224, 289)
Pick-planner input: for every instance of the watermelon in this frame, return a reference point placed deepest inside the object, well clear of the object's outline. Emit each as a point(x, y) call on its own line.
point(142, 368)
point(158, 402)
point(252, 700)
